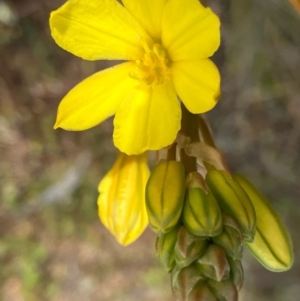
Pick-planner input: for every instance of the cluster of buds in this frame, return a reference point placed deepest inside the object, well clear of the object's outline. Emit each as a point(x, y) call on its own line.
point(203, 223)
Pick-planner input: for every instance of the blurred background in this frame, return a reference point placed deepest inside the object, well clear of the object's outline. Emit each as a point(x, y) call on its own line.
point(52, 245)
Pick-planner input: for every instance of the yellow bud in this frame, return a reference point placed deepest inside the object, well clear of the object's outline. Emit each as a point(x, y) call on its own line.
point(121, 203)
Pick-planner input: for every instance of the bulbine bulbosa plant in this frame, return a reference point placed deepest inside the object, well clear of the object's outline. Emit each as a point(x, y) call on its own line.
point(202, 213)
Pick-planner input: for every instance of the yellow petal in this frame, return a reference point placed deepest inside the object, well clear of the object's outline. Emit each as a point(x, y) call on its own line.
point(149, 14)
point(94, 99)
point(121, 204)
point(97, 29)
point(105, 187)
point(148, 119)
point(197, 83)
point(189, 31)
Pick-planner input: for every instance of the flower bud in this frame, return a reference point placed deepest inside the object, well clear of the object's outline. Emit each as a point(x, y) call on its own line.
point(164, 195)
point(236, 272)
point(230, 239)
point(233, 200)
point(184, 279)
point(202, 215)
point(121, 203)
point(165, 245)
point(224, 290)
point(272, 245)
point(188, 247)
point(213, 263)
point(202, 292)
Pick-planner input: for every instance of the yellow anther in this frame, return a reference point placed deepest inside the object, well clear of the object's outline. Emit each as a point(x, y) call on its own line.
point(153, 69)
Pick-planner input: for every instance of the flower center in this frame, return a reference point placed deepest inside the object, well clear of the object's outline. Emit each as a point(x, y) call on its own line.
point(153, 69)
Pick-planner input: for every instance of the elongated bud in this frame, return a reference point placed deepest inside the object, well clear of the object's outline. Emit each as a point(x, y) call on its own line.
point(121, 204)
point(201, 213)
point(272, 245)
point(213, 263)
point(164, 195)
point(188, 247)
point(233, 200)
point(165, 245)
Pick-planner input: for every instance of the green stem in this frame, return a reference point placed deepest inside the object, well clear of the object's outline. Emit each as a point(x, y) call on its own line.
point(205, 131)
point(172, 152)
point(208, 139)
point(189, 128)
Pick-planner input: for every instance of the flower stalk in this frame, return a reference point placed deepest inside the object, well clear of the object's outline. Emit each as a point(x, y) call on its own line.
point(188, 129)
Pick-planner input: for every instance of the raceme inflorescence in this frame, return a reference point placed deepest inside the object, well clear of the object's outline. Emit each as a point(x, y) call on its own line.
point(203, 214)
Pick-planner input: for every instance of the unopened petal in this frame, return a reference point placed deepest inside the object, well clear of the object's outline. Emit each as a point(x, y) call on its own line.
point(97, 29)
point(94, 99)
point(189, 31)
point(106, 186)
point(149, 14)
point(149, 119)
point(121, 204)
point(197, 83)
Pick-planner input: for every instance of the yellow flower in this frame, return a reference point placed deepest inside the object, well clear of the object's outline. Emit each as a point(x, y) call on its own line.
point(121, 203)
point(166, 43)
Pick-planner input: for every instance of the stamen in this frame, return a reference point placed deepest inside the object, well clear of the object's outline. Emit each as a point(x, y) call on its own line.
point(153, 69)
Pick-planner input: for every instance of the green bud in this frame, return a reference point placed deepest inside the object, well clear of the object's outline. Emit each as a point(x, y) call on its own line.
point(224, 290)
point(201, 292)
point(201, 213)
point(272, 245)
point(233, 200)
point(230, 221)
point(230, 239)
point(164, 195)
point(213, 263)
point(236, 273)
point(165, 245)
point(184, 280)
point(188, 247)
point(195, 179)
